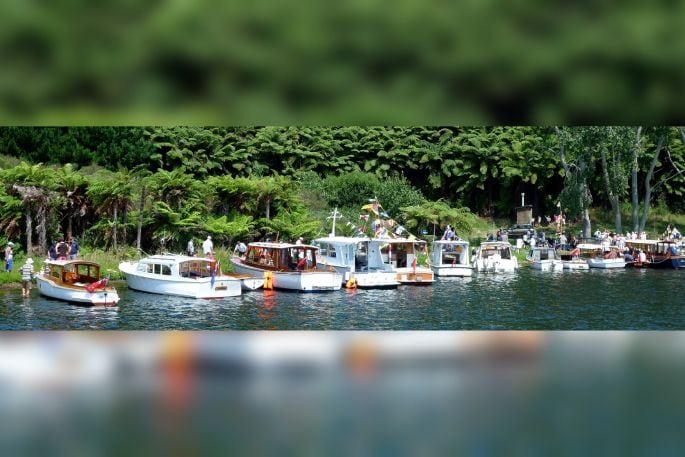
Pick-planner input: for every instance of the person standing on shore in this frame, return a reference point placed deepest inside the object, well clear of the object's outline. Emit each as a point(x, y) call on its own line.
point(73, 249)
point(208, 247)
point(26, 276)
point(9, 257)
point(190, 249)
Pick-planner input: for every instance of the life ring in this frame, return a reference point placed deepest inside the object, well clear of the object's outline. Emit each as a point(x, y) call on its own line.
point(351, 283)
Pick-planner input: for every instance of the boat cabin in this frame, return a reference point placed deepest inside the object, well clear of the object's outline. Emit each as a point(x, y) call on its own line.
point(539, 254)
point(343, 251)
point(76, 272)
point(391, 254)
point(281, 256)
point(174, 265)
point(450, 253)
point(493, 249)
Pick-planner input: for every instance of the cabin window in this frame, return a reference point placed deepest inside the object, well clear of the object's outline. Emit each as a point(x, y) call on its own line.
point(55, 273)
point(331, 251)
point(142, 268)
point(157, 269)
point(323, 249)
point(166, 270)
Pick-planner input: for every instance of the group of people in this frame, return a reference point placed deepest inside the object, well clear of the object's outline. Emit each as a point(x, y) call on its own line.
point(64, 250)
point(207, 248)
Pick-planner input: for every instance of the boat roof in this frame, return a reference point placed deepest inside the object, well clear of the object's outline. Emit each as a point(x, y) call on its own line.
point(273, 245)
point(166, 257)
point(341, 239)
point(589, 246)
point(496, 243)
point(449, 242)
point(395, 240)
point(62, 263)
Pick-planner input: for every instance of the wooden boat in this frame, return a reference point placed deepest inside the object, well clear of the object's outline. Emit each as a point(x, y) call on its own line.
point(180, 275)
point(544, 259)
point(399, 256)
point(660, 254)
point(495, 257)
point(349, 257)
point(450, 258)
point(76, 281)
point(571, 260)
point(287, 266)
point(602, 257)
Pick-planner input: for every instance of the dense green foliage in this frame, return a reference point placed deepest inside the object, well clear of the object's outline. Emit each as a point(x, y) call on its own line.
point(174, 183)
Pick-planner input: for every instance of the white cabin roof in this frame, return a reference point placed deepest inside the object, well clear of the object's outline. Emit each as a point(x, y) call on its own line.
point(173, 258)
point(272, 245)
point(341, 240)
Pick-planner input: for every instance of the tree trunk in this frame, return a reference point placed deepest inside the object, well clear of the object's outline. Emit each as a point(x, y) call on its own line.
point(69, 227)
point(635, 203)
point(587, 225)
point(42, 229)
point(140, 216)
point(267, 201)
point(123, 228)
point(114, 228)
point(648, 184)
point(29, 231)
point(613, 199)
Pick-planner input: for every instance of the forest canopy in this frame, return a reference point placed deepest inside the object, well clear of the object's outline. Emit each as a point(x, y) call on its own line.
point(146, 185)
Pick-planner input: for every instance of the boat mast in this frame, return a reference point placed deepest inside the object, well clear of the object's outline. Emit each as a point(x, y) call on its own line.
point(334, 215)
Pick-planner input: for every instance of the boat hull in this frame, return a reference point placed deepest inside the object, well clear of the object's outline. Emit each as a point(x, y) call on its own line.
point(303, 281)
point(102, 297)
point(453, 270)
point(574, 265)
point(222, 287)
point(415, 277)
point(674, 262)
point(547, 265)
point(607, 264)
point(501, 266)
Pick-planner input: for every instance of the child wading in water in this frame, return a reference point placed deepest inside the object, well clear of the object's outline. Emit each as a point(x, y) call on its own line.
point(26, 276)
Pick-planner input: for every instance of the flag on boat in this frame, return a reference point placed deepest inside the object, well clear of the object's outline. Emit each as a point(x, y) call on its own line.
point(371, 207)
point(384, 214)
point(101, 284)
point(364, 217)
point(400, 230)
point(214, 272)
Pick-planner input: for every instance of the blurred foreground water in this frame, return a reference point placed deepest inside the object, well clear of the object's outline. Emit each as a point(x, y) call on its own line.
point(313, 393)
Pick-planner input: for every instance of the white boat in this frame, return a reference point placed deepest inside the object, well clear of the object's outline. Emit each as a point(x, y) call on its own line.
point(287, 266)
point(450, 258)
point(247, 282)
point(76, 281)
point(495, 257)
point(399, 256)
point(544, 259)
point(349, 257)
point(571, 260)
point(180, 275)
point(602, 257)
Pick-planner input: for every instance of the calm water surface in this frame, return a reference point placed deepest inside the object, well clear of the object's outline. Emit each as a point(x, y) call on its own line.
point(625, 299)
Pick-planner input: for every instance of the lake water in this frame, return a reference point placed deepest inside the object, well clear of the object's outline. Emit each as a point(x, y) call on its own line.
point(595, 299)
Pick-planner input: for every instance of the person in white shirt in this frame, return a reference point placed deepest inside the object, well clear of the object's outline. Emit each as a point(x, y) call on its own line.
point(208, 247)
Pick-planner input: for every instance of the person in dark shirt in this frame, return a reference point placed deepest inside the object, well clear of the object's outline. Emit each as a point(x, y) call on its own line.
point(73, 249)
point(62, 249)
point(52, 252)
